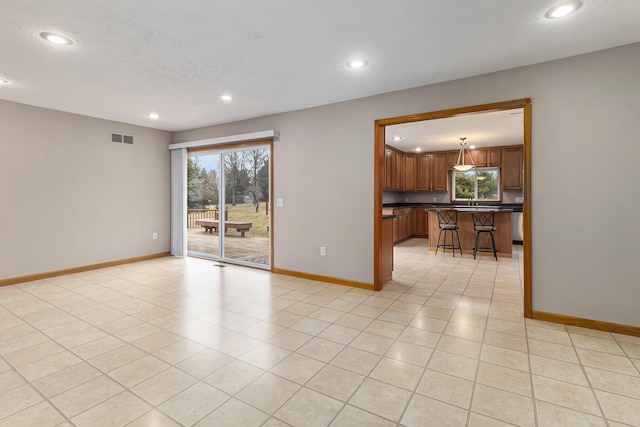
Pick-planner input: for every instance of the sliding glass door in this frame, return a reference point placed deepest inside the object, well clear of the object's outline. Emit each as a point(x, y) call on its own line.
point(228, 214)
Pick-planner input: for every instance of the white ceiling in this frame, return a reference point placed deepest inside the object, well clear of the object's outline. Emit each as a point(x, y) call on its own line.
point(132, 57)
point(489, 129)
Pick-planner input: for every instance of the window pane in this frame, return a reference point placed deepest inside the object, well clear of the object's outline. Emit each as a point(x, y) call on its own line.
point(464, 184)
point(488, 184)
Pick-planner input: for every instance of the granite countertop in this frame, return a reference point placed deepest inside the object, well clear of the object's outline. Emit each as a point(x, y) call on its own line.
point(504, 207)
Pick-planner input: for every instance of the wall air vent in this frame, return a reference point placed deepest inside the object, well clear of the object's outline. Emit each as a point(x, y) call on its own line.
point(121, 138)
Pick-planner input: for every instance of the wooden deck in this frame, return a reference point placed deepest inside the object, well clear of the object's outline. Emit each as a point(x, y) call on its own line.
point(250, 249)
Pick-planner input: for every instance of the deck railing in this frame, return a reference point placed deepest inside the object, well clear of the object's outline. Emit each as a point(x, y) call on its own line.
point(196, 214)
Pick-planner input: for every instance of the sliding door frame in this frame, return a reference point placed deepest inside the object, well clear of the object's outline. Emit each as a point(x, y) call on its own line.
point(239, 146)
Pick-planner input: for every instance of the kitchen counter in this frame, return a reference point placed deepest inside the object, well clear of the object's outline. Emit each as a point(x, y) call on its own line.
point(515, 207)
point(502, 235)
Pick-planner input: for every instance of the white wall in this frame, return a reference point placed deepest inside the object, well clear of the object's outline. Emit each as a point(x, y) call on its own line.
point(71, 198)
point(584, 184)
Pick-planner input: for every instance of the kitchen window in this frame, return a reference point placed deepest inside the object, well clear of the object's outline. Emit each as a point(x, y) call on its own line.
point(478, 184)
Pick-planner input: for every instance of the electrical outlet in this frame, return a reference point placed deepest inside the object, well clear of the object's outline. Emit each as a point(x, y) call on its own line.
point(434, 199)
point(406, 199)
point(323, 251)
point(279, 202)
point(519, 199)
point(155, 236)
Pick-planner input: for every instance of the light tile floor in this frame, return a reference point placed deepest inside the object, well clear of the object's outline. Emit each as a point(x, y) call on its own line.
point(182, 342)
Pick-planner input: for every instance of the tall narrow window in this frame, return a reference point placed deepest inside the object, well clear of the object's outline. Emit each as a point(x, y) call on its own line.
point(477, 184)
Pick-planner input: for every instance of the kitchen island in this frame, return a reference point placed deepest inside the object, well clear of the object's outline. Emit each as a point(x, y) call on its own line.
point(502, 235)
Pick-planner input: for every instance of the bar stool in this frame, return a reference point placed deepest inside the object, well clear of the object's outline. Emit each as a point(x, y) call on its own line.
point(448, 221)
point(483, 222)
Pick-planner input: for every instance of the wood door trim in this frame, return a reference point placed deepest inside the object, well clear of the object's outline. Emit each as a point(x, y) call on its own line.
point(379, 150)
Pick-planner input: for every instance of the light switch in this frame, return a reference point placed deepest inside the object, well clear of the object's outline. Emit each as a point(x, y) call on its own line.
point(279, 203)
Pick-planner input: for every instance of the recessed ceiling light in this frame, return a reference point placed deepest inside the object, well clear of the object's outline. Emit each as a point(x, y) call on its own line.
point(4, 81)
point(356, 63)
point(396, 138)
point(472, 146)
point(154, 116)
point(56, 38)
point(418, 149)
point(563, 9)
point(226, 98)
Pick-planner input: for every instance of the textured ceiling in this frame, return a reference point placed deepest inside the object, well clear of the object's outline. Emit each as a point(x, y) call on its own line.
point(132, 57)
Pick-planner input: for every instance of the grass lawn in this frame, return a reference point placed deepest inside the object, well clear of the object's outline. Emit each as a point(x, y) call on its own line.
point(247, 213)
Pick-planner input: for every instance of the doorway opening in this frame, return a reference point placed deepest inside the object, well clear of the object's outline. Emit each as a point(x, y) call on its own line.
point(228, 214)
point(379, 167)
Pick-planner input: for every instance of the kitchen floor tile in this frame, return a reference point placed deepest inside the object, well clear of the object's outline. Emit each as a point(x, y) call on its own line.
point(234, 413)
point(309, 408)
point(87, 395)
point(268, 392)
point(355, 360)
point(446, 388)
point(41, 415)
point(565, 394)
point(18, 399)
point(194, 403)
point(398, 373)
point(503, 405)
point(382, 399)
point(424, 411)
point(620, 408)
point(119, 410)
point(163, 386)
point(351, 416)
point(444, 342)
point(557, 416)
point(297, 368)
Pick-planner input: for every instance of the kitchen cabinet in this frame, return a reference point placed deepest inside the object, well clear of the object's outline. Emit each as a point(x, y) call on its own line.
point(479, 157)
point(388, 169)
point(512, 168)
point(452, 158)
point(420, 228)
point(494, 157)
point(393, 169)
point(402, 226)
point(439, 175)
point(409, 172)
point(424, 172)
point(398, 170)
point(432, 172)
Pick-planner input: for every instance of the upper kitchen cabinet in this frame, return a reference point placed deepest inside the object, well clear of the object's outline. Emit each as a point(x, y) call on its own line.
point(494, 157)
point(479, 157)
point(389, 177)
point(424, 172)
point(452, 159)
point(432, 172)
point(399, 170)
point(512, 168)
point(409, 172)
point(393, 169)
point(439, 174)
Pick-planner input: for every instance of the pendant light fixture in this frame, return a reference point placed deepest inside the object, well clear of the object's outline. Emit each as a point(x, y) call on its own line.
point(460, 166)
